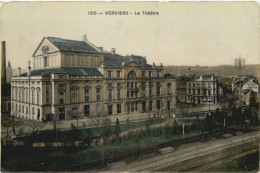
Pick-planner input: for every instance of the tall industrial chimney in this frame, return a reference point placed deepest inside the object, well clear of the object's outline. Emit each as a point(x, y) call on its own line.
point(3, 65)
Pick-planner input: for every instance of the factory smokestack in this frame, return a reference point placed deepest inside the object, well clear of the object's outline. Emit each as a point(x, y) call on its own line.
point(3, 65)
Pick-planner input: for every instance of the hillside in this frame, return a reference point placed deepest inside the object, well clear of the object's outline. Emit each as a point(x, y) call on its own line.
point(222, 71)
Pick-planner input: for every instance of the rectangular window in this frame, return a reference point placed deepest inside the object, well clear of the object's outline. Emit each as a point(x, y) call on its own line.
point(169, 88)
point(61, 87)
point(87, 94)
point(110, 94)
point(118, 108)
point(19, 95)
point(110, 109)
point(45, 61)
point(74, 96)
point(119, 94)
point(26, 93)
point(22, 109)
point(150, 73)
point(168, 105)
point(61, 97)
point(109, 85)
point(26, 110)
point(98, 94)
point(198, 91)
point(150, 105)
point(158, 104)
point(144, 106)
point(118, 74)
point(150, 91)
point(22, 94)
point(86, 110)
point(32, 111)
point(19, 108)
point(109, 74)
point(118, 84)
point(33, 96)
point(143, 73)
point(158, 90)
point(38, 97)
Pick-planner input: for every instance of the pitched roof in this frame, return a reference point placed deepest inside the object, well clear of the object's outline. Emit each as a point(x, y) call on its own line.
point(72, 45)
point(72, 71)
point(116, 61)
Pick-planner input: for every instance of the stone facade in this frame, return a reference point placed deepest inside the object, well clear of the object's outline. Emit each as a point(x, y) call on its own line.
point(73, 79)
point(197, 89)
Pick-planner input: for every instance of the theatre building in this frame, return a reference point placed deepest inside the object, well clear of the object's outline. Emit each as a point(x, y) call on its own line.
point(72, 79)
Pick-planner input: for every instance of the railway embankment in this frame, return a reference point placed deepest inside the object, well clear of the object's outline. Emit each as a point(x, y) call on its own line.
point(188, 157)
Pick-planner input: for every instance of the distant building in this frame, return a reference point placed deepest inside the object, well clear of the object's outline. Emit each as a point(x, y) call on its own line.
point(75, 78)
point(181, 89)
point(8, 73)
point(195, 89)
point(243, 87)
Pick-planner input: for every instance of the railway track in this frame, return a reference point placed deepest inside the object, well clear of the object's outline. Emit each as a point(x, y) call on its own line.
point(214, 157)
point(175, 160)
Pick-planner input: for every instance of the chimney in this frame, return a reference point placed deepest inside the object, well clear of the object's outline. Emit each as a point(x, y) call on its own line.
point(113, 51)
point(3, 65)
point(85, 38)
point(29, 69)
point(19, 71)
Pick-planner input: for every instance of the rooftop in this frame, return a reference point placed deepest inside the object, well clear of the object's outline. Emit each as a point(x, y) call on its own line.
point(65, 45)
point(72, 71)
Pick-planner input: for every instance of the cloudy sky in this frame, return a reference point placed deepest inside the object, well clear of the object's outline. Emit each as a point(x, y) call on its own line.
point(184, 33)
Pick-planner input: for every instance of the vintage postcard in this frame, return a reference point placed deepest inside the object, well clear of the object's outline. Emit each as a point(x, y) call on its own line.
point(130, 86)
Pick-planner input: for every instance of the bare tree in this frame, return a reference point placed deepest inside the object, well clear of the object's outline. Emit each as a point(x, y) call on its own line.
point(8, 125)
point(35, 126)
point(99, 113)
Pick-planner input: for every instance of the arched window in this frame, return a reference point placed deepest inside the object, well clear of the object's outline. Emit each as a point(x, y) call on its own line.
point(23, 94)
point(33, 93)
point(131, 74)
point(74, 94)
point(158, 89)
point(26, 95)
point(38, 96)
point(19, 94)
point(12, 93)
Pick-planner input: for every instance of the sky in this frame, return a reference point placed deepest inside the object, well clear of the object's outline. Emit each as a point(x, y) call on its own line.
point(184, 33)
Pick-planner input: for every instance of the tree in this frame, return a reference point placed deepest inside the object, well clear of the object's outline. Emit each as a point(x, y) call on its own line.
point(36, 126)
point(99, 113)
point(88, 138)
point(117, 128)
point(8, 124)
